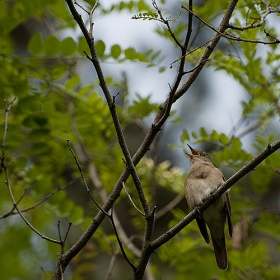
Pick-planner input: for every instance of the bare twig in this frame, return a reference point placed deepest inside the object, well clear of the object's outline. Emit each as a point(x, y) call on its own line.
point(261, 19)
point(7, 180)
point(111, 265)
point(130, 199)
point(119, 241)
point(65, 237)
point(19, 212)
point(230, 36)
point(251, 128)
point(91, 16)
point(190, 52)
point(113, 218)
point(43, 270)
point(168, 207)
point(84, 179)
point(189, 71)
point(112, 108)
point(80, 6)
point(190, 22)
point(166, 22)
point(165, 111)
point(46, 197)
point(7, 110)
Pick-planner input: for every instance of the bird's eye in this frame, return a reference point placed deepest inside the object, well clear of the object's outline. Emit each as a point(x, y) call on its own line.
point(203, 154)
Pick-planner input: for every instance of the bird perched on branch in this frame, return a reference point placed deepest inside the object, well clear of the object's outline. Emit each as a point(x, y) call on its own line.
point(203, 179)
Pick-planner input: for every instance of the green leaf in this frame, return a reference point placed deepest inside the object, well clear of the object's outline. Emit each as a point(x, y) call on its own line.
point(224, 139)
point(58, 71)
point(143, 106)
point(68, 46)
point(35, 44)
point(36, 135)
point(57, 198)
point(130, 53)
point(185, 136)
point(100, 48)
point(51, 46)
point(203, 132)
point(38, 148)
point(34, 121)
point(172, 147)
point(83, 46)
point(72, 82)
point(65, 207)
point(236, 143)
point(194, 135)
point(116, 51)
point(77, 215)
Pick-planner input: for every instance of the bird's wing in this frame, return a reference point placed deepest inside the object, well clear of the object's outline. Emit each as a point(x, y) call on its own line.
point(202, 227)
point(228, 214)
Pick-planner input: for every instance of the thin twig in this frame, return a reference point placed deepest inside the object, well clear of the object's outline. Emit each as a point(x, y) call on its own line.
point(198, 65)
point(7, 110)
point(190, 22)
point(84, 179)
point(7, 180)
point(80, 6)
point(91, 17)
point(96, 182)
point(130, 199)
point(19, 212)
point(190, 52)
point(43, 270)
point(230, 36)
point(260, 23)
point(110, 216)
point(168, 207)
point(166, 22)
point(111, 265)
point(119, 241)
point(46, 197)
point(95, 60)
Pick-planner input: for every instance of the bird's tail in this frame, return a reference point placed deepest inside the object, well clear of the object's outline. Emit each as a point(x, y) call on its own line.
point(220, 252)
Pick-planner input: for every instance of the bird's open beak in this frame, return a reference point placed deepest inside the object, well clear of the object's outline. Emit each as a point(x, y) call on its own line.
point(194, 152)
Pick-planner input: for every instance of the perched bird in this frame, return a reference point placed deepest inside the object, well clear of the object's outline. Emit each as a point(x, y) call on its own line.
point(203, 179)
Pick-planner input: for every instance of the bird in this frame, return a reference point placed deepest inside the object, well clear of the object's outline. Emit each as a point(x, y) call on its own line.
point(204, 179)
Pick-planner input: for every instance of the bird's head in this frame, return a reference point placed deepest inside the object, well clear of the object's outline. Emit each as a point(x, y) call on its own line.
point(198, 155)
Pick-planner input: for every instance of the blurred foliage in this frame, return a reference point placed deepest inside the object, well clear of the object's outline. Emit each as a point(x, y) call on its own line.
point(54, 104)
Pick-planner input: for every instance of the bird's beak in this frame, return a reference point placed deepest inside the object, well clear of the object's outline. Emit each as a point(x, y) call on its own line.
point(194, 152)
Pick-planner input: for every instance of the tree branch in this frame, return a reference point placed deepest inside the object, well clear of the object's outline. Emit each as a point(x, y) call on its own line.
point(7, 180)
point(45, 198)
point(230, 36)
point(262, 19)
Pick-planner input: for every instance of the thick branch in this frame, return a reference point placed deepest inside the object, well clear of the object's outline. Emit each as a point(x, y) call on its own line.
point(111, 104)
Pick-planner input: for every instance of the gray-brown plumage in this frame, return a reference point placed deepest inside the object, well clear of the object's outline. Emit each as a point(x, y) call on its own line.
point(203, 179)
